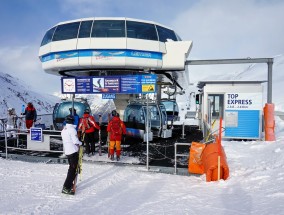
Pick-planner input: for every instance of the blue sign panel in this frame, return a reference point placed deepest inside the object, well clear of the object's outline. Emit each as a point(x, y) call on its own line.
point(83, 85)
point(100, 53)
point(106, 84)
point(108, 96)
point(130, 84)
point(36, 134)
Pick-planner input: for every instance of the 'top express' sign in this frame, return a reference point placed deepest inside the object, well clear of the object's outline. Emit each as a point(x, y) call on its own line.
point(246, 101)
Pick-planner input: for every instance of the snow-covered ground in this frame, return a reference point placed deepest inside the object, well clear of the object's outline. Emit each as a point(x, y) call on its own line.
point(255, 186)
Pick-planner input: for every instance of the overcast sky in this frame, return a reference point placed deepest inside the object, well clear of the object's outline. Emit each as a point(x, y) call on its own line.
point(219, 29)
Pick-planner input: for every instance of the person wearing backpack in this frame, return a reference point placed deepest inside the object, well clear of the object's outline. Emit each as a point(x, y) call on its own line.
point(116, 128)
point(86, 129)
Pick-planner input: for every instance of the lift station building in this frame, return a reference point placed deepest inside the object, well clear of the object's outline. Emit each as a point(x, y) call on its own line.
point(238, 103)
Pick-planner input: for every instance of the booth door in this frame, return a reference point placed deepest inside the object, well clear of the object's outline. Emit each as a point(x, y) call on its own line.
point(216, 106)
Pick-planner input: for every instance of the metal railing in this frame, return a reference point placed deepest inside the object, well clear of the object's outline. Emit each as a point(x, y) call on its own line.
point(180, 155)
point(42, 119)
point(26, 145)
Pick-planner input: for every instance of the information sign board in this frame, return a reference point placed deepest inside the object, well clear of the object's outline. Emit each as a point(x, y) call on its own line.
point(36, 134)
point(129, 84)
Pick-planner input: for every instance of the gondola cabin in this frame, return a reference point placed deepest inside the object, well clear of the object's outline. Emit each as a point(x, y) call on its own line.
point(61, 110)
point(135, 119)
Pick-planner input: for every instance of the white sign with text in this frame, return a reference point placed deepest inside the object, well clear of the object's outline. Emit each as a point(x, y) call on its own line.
point(243, 101)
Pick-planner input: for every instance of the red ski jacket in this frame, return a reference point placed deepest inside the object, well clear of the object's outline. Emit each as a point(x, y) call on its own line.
point(116, 128)
point(88, 124)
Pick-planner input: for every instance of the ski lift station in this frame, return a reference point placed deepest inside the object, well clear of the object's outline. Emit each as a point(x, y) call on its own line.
point(239, 103)
point(126, 59)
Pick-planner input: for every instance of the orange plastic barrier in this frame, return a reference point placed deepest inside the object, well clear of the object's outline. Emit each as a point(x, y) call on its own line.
point(195, 164)
point(269, 122)
point(210, 162)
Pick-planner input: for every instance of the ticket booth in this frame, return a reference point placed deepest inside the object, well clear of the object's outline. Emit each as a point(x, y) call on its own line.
point(238, 103)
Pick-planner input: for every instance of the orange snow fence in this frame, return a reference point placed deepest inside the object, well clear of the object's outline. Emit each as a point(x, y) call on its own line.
point(269, 122)
point(195, 164)
point(210, 162)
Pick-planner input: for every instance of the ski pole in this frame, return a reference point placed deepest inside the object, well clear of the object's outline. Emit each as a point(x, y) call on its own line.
point(108, 144)
point(100, 139)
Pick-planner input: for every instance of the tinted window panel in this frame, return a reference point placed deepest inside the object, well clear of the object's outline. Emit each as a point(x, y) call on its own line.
point(141, 30)
point(66, 31)
point(85, 29)
point(47, 37)
point(178, 37)
point(108, 28)
point(165, 34)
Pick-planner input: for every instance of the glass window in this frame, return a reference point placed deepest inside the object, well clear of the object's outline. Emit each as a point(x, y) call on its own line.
point(108, 28)
point(217, 105)
point(85, 29)
point(141, 30)
point(48, 37)
point(66, 31)
point(171, 106)
point(164, 114)
point(165, 34)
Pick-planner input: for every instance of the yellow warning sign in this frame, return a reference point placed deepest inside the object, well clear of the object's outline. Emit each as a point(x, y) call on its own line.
point(148, 88)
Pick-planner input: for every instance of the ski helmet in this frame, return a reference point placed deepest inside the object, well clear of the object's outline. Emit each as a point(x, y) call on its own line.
point(69, 119)
point(114, 113)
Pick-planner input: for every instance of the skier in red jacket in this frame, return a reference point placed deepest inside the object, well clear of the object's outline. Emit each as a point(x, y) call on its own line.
point(87, 128)
point(31, 115)
point(116, 128)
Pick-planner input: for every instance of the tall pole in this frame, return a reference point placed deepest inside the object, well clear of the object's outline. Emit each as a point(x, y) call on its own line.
point(147, 132)
point(6, 141)
point(73, 97)
point(269, 78)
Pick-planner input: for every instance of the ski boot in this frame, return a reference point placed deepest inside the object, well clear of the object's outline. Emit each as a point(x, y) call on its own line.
point(68, 191)
point(118, 158)
point(112, 157)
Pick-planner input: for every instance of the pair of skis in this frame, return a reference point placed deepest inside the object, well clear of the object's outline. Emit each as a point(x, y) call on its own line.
point(78, 170)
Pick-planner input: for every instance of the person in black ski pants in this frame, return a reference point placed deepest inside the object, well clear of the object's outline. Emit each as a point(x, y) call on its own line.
point(71, 145)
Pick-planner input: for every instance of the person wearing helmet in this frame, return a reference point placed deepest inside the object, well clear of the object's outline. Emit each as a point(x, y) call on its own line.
point(11, 122)
point(87, 128)
point(31, 115)
point(71, 145)
point(76, 117)
point(116, 128)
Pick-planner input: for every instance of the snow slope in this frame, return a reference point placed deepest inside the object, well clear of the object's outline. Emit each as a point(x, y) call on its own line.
point(15, 93)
